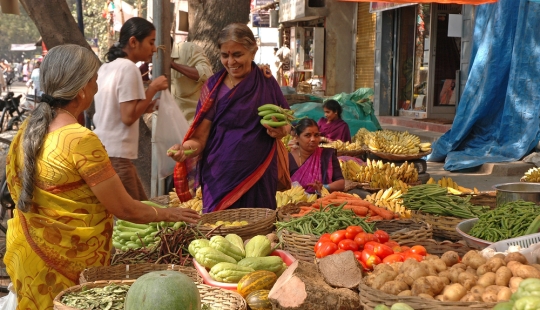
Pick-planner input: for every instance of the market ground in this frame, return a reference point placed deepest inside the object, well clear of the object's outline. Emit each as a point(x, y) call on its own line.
point(483, 178)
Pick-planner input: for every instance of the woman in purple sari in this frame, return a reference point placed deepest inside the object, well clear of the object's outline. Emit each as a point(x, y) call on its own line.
point(312, 166)
point(234, 157)
point(332, 127)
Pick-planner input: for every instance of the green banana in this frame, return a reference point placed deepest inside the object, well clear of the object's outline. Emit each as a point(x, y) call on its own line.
point(187, 152)
point(266, 112)
point(272, 123)
point(278, 116)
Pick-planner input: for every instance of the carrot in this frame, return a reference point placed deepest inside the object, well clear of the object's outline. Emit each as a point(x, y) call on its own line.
point(385, 214)
point(329, 196)
point(358, 210)
point(374, 218)
point(361, 203)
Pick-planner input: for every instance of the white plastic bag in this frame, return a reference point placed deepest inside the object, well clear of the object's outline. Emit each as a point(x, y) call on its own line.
point(9, 302)
point(171, 127)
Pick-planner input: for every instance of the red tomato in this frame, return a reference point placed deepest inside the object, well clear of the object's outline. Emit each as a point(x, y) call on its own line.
point(393, 258)
point(326, 249)
point(404, 248)
point(362, 238)
point(390, 243)
point(382, 250)
point(370, 259)
point(348, 245)
point(409, 254)
point(418, 249)
point(364, 265)
point(382, 236)
point(370, 245)
point(323, 238)
point(352, 231)
point(358, 255)
point(339, 251)
point(338, 235)
point(396, 249)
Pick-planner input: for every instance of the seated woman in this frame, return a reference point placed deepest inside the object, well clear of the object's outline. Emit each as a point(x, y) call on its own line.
point(332, 127)
point(312, 166)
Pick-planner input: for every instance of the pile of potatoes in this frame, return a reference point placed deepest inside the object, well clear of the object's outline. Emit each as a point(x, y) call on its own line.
point(471, 279)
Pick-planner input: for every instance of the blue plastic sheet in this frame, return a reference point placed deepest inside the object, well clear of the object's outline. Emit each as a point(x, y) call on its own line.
point(498, 116)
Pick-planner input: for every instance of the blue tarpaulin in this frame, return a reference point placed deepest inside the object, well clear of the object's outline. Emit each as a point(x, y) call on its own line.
point(498, 116)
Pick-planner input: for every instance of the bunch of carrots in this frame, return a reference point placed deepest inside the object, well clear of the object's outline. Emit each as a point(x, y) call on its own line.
point(359, 206)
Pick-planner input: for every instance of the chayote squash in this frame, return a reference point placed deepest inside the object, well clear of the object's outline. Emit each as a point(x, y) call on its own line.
point(269, 263)
point(209, 257)
point(258, 246)
point(196, 245)
point(236, 240)
point(527, 287)
point(508, 305)
point(401, 306)
point(381, 307)
point(223, 245)
point(229, 272)
point(527, 303)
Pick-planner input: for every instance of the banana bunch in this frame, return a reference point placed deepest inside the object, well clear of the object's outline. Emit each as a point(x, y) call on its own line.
point(270, 111)
point(382, 175)
point(360, 136)
point(286, 141)
point(344, 146)
point(226, 224)
point(393, 142)
point(294, 195)
point(425, 147)
point(532, 175)
point(195, 203)
point(452, 186)
point(350, 169)
point(391, 200)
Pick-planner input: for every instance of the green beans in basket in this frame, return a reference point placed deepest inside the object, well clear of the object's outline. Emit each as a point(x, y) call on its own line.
point(326, 220)
point(434, 199)
point(510, 220)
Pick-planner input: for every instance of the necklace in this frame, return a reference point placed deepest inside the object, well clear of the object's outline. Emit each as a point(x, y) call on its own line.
point(68, 113)
point(300, 157)
point(230, 79)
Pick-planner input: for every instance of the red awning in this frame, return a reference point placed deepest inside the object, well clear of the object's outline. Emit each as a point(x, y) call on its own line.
point(473, 2)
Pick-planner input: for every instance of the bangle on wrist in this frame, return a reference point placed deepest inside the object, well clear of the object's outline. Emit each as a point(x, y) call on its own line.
point(157, 216)
point(327, 186)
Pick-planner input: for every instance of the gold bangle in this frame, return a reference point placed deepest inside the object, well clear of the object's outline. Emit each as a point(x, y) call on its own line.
point(155, 210)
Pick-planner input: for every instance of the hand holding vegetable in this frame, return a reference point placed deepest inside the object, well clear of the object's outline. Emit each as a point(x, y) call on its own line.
point(179, 153)
point(182, 215)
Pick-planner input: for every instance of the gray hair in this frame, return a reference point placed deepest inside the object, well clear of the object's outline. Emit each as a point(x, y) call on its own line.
point(239, 33)
point(65, 70)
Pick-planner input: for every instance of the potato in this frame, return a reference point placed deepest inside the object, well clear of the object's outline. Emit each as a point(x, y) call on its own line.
point(537, 266)
point(489, 297)
point(482, 270)
point(526, 271)
point(427, 285)
point(502, 276)
point(369, 279)
point(471, 297)
point(439, 264)
point(471, 271)
point(500, 255)
point(493, 288)
point(514, 283)
point(513, 266)
point(454, 275)
point(382, 278)
point(394, 287)
point(459, 266)
point(404, 278)
point(487, 279)
point(477, 289)
point(445, 274)
point(454, 292)
point(473, 259)
point(431, 269)
point(462, 277)
point(426, 296)
point(429, 257)
point(380, 268)
point(450, 258)
point(445, 280)
point(408, 264)
point(504, 294)
point(516, 256)
point(405, 293)
point(396, 266)
point(440, 298)
point(417, 271)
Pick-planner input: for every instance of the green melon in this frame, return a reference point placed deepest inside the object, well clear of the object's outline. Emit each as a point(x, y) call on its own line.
point(163, 290)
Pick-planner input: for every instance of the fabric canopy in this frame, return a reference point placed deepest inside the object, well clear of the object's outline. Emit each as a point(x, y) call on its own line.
point(473, 2)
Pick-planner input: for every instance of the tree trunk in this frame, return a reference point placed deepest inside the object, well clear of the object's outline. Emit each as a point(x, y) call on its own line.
point(208, 17)
point(54, 22)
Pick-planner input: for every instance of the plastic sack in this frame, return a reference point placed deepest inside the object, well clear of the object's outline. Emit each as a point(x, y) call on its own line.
point(171, 127)
point(9, 302)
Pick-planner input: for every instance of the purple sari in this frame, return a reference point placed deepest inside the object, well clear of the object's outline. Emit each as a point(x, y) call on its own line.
point(335, 130)
point(322, 165)
point(238, 168)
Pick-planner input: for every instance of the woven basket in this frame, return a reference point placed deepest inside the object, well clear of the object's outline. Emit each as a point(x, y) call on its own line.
point(444, 227)
point(260, 222)
point(483, 199)
point(216, 297)
point(406, 230)
point(370, 298)
point(399, 157)
point(352, 153)
point(284, 213)
point(161, 200)
point(439, 248)
point(125, 272)
point(301, 246)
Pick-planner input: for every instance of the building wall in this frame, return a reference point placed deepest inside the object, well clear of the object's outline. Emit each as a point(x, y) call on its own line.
point(384, 38)
point(365, 47)
point(466, 45)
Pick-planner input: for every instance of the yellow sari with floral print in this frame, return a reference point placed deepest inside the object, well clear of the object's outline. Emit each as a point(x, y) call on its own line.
point(67, 229)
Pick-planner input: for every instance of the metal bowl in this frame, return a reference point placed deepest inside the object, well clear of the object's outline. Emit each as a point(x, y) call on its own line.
point(509, 192)
point(463, 229)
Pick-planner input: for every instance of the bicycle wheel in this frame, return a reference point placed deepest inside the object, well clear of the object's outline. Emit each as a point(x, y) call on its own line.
point(4, 119)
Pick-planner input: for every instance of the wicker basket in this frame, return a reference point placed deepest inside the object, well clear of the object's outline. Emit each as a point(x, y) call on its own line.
point(352, 153)
point(444, 227)
point(216, 297)
point(439, 248)
point(301, 246)
point(399, 157)
point(284, 213)
point(260, 222)
point(125, 272)
point(483, 199)
point(370, 298)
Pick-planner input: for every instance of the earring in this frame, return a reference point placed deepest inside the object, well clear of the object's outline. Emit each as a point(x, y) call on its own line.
point(83, 95)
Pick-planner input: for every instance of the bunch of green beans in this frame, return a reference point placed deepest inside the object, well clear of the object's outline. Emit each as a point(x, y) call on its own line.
point(434, 199)
point(326, 220)
point(510, 220)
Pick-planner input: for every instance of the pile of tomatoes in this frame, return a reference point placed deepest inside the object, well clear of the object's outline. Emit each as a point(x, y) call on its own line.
point(369, 249)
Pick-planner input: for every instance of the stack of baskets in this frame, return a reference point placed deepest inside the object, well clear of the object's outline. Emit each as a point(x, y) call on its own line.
point(260, 222)
point(444, 227)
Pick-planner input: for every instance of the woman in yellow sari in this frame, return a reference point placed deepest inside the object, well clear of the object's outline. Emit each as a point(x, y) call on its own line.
point(65, 187)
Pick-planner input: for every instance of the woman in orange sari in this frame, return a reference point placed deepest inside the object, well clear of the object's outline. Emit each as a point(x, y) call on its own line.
point(65, 188)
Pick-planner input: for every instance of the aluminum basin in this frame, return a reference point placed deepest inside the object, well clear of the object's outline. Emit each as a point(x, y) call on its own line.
point(508, 192)
point(463, 229)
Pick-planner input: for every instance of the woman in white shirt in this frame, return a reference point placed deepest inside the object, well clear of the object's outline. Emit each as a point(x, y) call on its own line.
point(121, 99)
